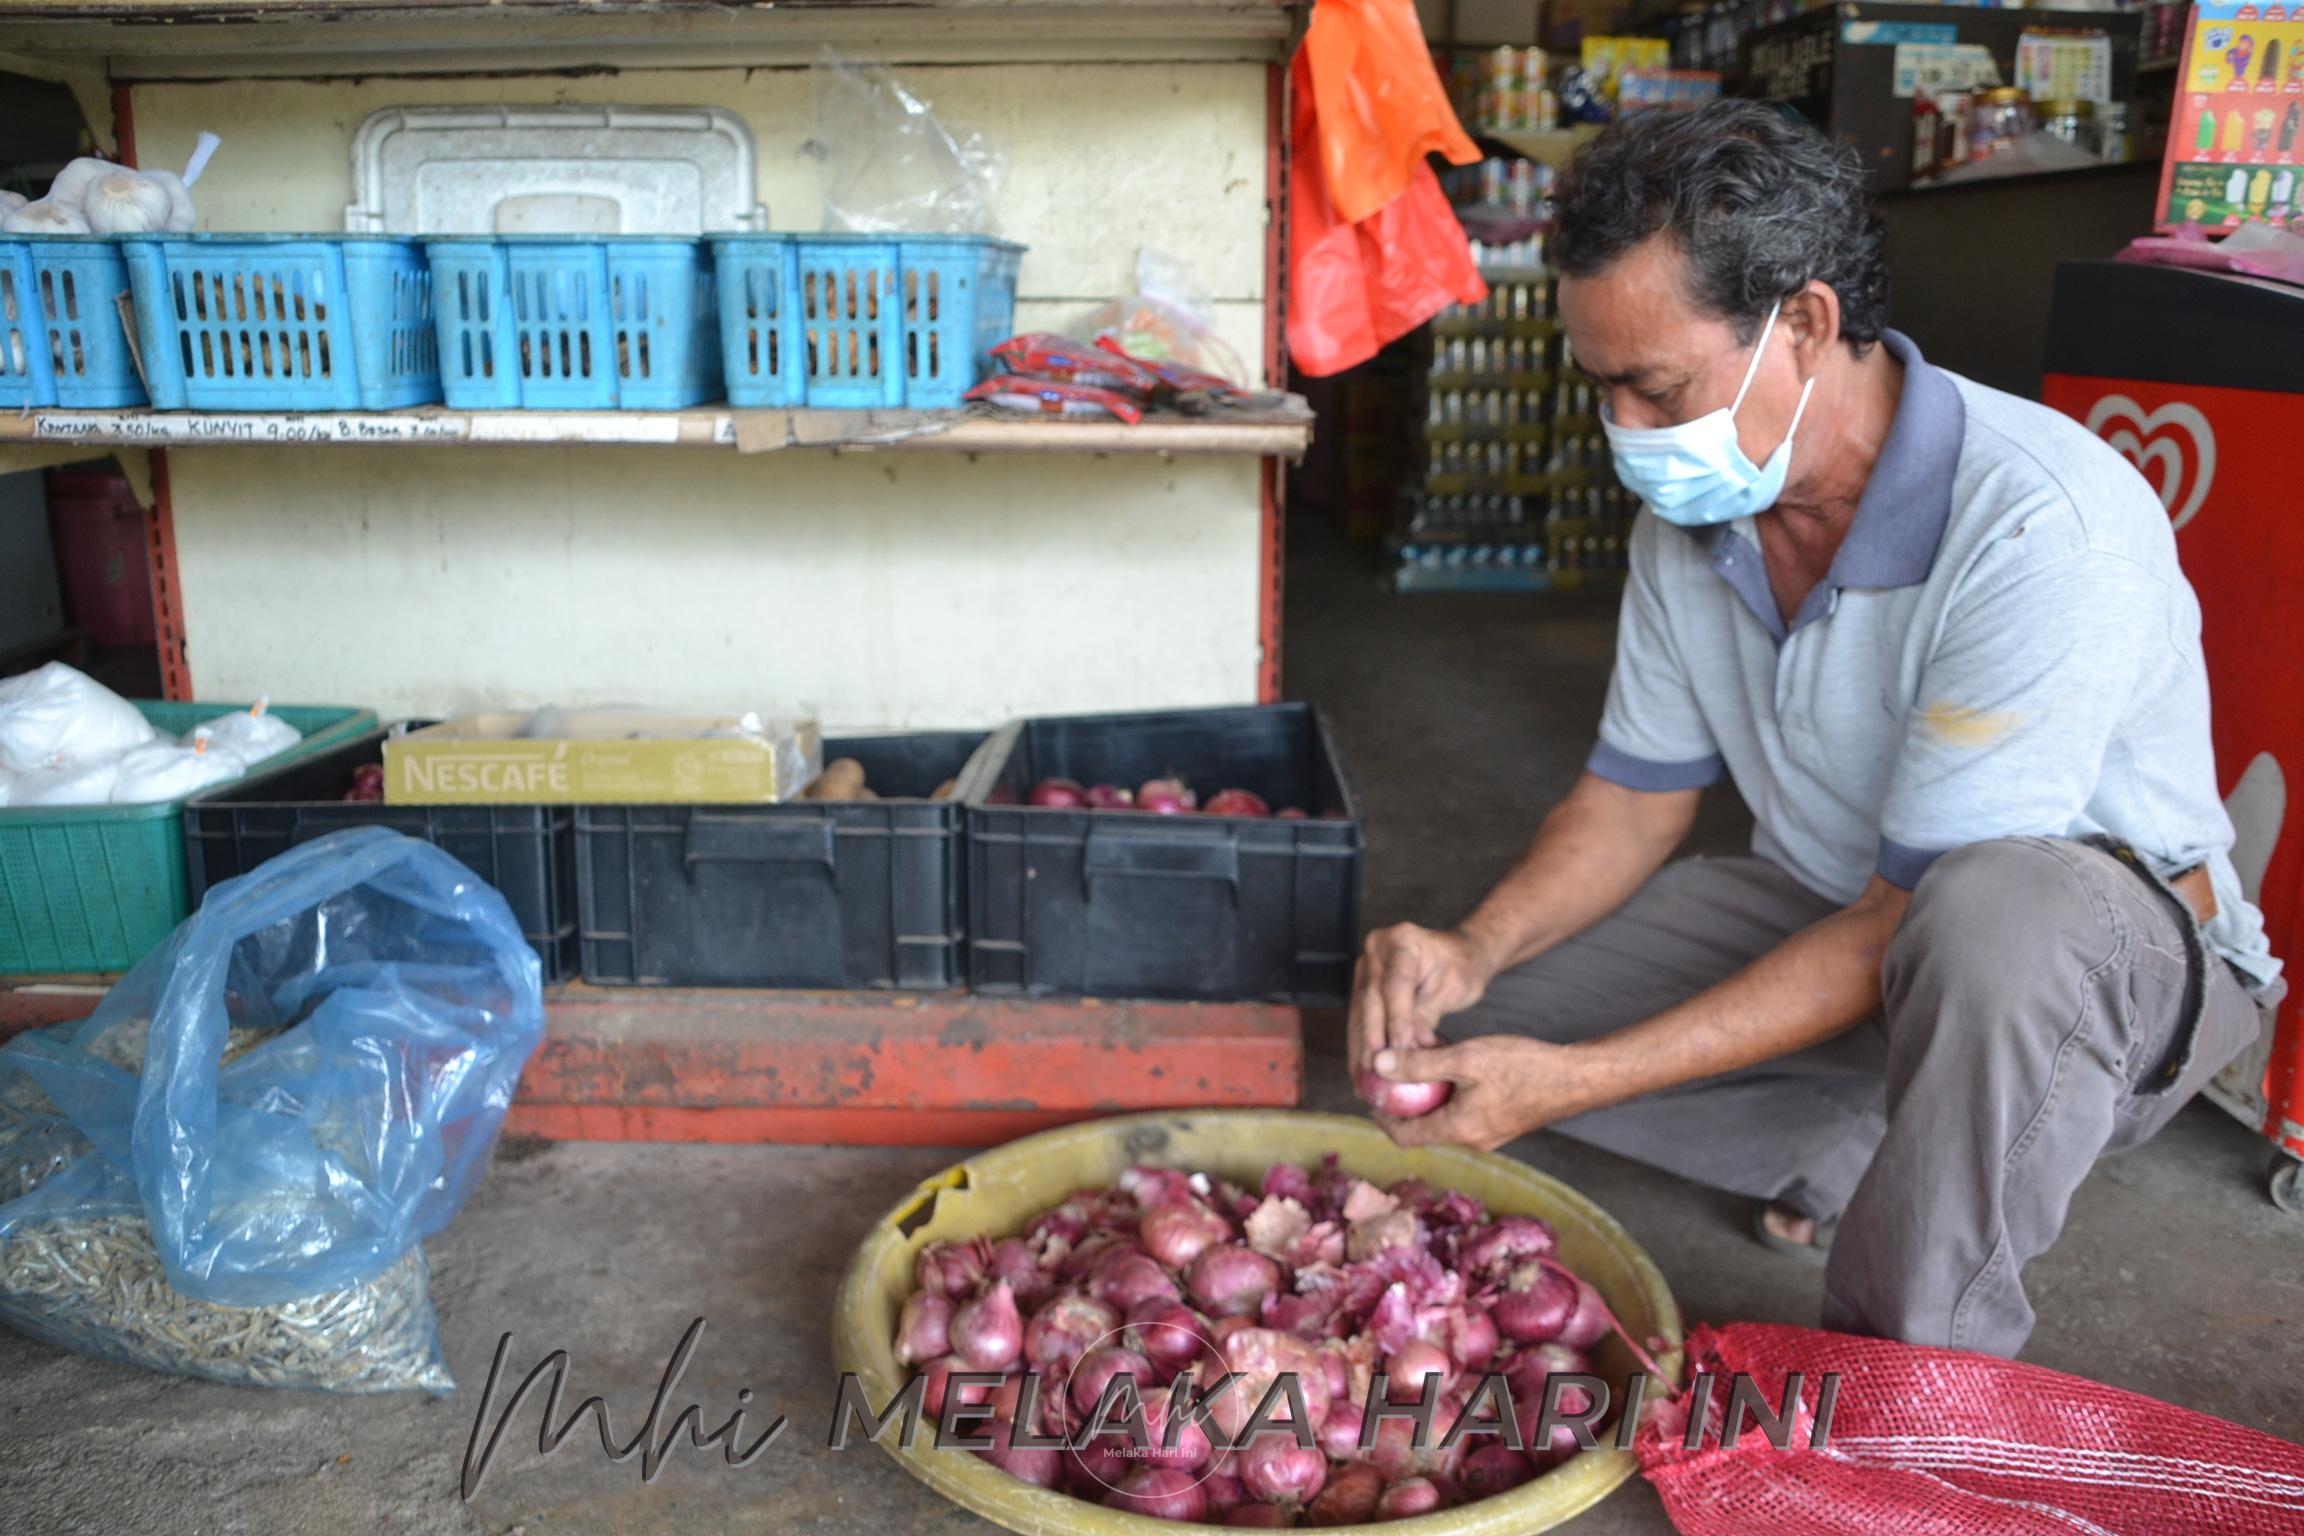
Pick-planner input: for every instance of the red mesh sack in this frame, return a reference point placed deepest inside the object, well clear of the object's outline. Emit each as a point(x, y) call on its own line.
point(1941, 1442)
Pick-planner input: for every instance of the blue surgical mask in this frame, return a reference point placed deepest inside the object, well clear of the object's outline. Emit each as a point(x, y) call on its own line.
point(1696, 474)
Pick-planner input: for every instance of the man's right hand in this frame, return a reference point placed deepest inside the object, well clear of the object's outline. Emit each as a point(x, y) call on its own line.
point(1408, 980)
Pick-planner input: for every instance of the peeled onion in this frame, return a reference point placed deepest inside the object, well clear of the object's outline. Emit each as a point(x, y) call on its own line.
point(1402, 1101)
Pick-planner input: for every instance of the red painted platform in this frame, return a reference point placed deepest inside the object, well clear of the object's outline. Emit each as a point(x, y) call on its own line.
point(856, 1068)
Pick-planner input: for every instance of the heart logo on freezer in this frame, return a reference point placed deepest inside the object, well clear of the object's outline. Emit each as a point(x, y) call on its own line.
point(2157, 445)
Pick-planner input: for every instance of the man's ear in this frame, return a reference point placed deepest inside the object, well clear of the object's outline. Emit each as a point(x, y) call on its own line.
point(1812, 318)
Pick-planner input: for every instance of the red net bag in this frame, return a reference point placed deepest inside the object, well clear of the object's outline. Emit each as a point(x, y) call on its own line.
point(1940, 1442)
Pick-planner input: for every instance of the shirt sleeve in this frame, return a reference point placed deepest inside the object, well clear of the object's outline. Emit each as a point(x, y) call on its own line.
point(2017, 707)
point(1653, 735)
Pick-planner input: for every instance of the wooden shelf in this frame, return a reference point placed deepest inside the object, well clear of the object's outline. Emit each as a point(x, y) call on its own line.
point(243, 39)
point(1284, 432)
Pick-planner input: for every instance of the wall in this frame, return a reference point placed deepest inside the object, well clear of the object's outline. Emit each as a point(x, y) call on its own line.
point(929, 590)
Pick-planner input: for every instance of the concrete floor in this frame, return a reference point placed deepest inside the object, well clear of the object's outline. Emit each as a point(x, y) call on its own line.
point(1463, 717)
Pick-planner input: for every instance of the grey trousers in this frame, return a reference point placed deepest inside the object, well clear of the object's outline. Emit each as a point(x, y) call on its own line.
point(2043, 1002)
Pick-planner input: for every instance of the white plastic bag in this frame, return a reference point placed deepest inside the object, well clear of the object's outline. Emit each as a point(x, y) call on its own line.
point(79, 784)
point(56, 717)
point(887, 164)
point(166, 771)
point(252, 734)
point(45, 217)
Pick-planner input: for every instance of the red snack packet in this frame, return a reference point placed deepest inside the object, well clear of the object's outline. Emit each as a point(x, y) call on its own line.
point(1054, 397)
point(1046, 355)
point(1173, 376)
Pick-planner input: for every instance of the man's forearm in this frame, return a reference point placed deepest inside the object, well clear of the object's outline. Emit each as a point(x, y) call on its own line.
point(1811, 987)
point(1593, 851)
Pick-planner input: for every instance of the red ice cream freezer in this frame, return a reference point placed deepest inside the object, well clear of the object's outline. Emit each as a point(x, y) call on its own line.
point(2198, 378)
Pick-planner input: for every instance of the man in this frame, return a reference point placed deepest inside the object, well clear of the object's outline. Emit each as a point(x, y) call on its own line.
point(1937, 637)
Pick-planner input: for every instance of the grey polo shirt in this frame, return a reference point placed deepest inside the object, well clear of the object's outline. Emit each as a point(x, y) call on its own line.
point(2004, 645)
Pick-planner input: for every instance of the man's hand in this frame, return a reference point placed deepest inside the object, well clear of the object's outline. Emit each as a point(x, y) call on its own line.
point(1408, 980)
point(1506, 1087)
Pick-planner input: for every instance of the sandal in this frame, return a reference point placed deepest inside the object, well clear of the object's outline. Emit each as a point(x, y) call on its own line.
point(1815, 1251)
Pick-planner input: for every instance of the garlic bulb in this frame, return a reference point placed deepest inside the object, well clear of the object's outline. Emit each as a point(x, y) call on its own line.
point(181, 215)
point(126, 203)
point(45, 217)
point(71, 185)
point(9, 203)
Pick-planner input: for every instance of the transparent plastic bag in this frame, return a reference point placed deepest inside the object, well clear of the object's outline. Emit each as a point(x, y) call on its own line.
point(252, 734)
point(1168, 319)
point(888, 164)
point(263, 1120)
point(168, 770)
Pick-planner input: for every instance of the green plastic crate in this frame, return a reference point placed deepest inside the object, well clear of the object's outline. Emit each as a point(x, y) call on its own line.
point(94, 887)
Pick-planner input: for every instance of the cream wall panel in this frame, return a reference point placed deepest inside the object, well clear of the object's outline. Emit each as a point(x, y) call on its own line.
point(886, 591)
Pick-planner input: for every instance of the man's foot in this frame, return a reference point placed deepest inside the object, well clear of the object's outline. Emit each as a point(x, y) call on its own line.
point(1785, 1230)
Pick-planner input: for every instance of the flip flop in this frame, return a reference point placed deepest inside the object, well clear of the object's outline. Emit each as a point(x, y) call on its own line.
point(1815, 1252)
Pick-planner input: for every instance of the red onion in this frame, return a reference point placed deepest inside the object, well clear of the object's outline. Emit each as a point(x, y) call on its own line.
point(1040, 1468)
point(1339, 1433)
point(1167, 1333)
point(1179, 1233)
point(1012, 1260)
point(1350, 1497)
point(1097, 1368)
point(1098, 1466)
point(1339, 1370)
point(1410, 1366)
point(1588, 1324)
point(1402, 1101)
point(1472, 1338)
point(1279, 1471)
point(1064, 1329)
point(1232, 1281)
point(1535, 1304)
point(1236, 802)
point(988, 1332)
point(1128, 1280)
point(1409, 1496)
point(1166, 797)
point(1192, 1448)
point(1161, 1492)
point(1562, 1441)
point(924, 1328)
point(1290, 813)
point(1495, 1468)
point(935, 1383)
point(1415, 1194)
point(1493, 1250)
point(1394, 1452)
point(1109, 797)
point(1224, 1491)
point(1068, 1221)
point(1058, 795)
point(956, 1269)
point(1261, 1517)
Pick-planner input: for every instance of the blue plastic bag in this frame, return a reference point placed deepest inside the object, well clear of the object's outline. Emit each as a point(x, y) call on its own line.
point(284, 1099)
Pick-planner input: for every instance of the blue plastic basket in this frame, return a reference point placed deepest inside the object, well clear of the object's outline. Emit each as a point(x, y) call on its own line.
point(284, 322)
point(852, 321)
point(576, 323)
point(62, 338)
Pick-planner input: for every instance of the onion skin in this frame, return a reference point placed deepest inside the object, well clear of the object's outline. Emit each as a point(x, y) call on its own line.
point(1161, 1492)
point(1400, 1101)
point(924, 1328)
point(1232, 1281)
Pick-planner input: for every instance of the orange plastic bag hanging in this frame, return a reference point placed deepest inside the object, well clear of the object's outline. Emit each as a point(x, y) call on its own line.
point(1354, 286)
point(1380, 104)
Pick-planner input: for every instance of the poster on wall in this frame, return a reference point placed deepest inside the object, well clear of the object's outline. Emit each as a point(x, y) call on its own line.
point(2236, 137)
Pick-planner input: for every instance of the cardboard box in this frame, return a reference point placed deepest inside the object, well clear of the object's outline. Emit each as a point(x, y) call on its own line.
point(602, 757)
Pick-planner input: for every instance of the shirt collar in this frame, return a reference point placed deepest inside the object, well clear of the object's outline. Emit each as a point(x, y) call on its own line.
point(1900, 519)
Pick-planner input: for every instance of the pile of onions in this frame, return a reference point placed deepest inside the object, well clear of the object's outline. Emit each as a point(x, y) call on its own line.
point(1166, 796)
point(1319, 1276)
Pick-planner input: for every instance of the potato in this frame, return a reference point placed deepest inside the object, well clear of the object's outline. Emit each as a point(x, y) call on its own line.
point(944, 790)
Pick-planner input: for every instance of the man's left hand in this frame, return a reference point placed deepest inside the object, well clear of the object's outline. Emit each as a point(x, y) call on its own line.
point(1505, 1088)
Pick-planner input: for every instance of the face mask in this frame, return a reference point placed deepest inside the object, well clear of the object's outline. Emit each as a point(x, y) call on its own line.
point(1695, 474)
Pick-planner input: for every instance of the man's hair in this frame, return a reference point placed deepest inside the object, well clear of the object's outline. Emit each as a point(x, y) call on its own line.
point(1757, 204)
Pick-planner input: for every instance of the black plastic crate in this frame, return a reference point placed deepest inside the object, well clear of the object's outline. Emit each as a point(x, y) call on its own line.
point(1128, 904)
point(527, 852)
point(852, 893)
